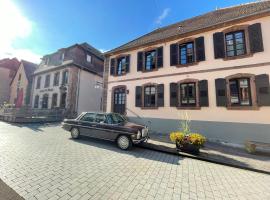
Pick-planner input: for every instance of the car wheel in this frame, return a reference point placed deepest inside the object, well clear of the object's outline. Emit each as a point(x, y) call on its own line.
point(75, 133)
point(123, 142)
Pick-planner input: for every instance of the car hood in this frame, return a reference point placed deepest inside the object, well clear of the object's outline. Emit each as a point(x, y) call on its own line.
point(133, 125)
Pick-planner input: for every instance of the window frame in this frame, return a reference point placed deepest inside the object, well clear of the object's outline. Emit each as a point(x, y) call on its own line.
point(123, 72)
point(196, 106)
point(193, 53)
point(56, 100)
point(90, 58)
point(54, 79)
point(47, 103)
point(145, 60)
point(38, 84)
point(188, 104)
point(233, 33)
point(252, 92)
point(237, 28)
point(65, 79)
point(36, 101)
point(47, 82)
point(143, 96)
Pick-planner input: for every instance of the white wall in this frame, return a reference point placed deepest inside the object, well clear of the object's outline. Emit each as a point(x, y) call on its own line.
point(89, 96)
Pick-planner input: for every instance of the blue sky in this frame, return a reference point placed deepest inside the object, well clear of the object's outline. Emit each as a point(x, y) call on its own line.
point(33, 28)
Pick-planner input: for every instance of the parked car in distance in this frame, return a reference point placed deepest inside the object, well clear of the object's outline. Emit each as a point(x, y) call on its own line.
point(107, 126)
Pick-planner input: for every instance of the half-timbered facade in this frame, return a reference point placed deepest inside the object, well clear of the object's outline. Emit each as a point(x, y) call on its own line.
point(214, 67)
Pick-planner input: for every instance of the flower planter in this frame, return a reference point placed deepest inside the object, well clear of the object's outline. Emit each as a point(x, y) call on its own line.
point(188, 148)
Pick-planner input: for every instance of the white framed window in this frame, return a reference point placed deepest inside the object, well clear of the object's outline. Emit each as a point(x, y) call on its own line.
point(88, 58)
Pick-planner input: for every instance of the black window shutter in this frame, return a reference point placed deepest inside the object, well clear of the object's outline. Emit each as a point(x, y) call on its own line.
point(200, 52)
point(221, 94)
point(262, 89)
point(138, 96)
point(160, 95)
point(160, 57)
point(203, 93)
point(173, 94)
point(112, 69)
point(255, 38)
point(173, 54)
point(140, 61)
point(127, 63)
point(219, 48)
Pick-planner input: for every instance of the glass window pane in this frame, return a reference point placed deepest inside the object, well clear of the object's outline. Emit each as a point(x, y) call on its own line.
point(234, 93)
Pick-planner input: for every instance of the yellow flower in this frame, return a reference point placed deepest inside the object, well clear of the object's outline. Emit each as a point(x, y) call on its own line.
point(177, 136)
point(197, 139)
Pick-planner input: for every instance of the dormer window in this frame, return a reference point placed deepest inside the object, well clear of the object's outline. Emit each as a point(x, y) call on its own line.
point(88, 58)
point(62, 57)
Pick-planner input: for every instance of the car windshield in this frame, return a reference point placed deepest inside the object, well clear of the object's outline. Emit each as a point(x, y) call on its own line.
point(115, 118)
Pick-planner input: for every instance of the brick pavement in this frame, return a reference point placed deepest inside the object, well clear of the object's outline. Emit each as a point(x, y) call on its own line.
point(42, 162)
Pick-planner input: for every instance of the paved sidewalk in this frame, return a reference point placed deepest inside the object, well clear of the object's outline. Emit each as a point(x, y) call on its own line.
point(216, 152)
point(42, 162)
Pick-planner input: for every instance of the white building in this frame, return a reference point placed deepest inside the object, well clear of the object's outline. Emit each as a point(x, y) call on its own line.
point(69, 79)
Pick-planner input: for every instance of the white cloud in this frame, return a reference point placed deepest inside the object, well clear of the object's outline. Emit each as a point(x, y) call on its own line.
point(103, 50)
point(163, 15)
point(14, 26)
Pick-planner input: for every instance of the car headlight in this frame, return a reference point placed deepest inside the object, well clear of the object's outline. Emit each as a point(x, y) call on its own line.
point(138, 135)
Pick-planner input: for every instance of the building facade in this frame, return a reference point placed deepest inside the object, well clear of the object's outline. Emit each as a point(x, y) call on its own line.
point(215, 68)
point(8, 68)
point(21, 84)
point(69, 79)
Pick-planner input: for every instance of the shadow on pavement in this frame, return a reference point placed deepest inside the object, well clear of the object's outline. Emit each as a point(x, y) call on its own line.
point(37, 127)
point(134, 151)
point(7, 193)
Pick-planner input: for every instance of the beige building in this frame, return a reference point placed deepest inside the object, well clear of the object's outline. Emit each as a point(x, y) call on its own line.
point(214, 67)
point(21, 84)
point(8, 68)
point(69, 79)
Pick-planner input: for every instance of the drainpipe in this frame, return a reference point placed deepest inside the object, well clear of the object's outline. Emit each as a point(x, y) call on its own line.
point(77, 90)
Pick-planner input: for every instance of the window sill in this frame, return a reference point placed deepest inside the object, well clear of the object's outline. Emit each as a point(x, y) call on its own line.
point(149, 108)
point(146, 71)
point(242, 108)
point(238, 57)
point(187, 65)
point(188, 108)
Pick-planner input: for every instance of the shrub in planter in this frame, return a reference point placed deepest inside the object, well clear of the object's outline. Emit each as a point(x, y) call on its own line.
point(187, 141)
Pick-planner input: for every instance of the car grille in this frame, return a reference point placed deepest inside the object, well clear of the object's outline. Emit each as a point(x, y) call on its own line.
point(144, 132)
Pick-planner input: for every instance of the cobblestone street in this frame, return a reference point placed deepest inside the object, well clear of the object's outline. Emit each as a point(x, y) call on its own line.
point(42, 162)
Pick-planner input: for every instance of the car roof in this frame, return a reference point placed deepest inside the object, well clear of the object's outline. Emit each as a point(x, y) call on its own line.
point(104, 113)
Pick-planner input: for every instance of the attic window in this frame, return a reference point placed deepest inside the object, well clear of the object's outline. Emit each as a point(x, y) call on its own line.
point(89, 58)
point(180, 28)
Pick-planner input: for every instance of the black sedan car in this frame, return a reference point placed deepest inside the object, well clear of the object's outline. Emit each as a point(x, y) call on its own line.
point(107, 126)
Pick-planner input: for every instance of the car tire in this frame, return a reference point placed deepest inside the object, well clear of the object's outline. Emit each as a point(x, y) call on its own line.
point(124, 142)
point(75, 133)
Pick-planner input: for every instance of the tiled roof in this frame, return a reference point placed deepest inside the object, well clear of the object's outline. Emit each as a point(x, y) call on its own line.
point(92, 49)
point(197, 23)
point(29, 69)
point(12, 64)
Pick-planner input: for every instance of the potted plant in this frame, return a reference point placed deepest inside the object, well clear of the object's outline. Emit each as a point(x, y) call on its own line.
point(187, 141)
